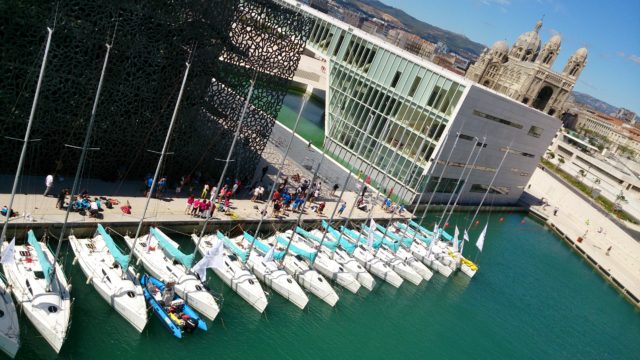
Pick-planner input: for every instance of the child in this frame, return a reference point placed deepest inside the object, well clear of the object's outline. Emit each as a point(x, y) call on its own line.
point(189, 204)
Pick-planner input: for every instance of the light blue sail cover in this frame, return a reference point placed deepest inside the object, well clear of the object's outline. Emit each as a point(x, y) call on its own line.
point(163, 241)
point(331, 245)
point(392, 244)
point(442, 233)
point(411, 233)
point(47, 267)
point(347, 245)
point(377, 241)
point(121, 258)
point(406, 241)
point(242, 254)
point(262, 247)
point(309, 255)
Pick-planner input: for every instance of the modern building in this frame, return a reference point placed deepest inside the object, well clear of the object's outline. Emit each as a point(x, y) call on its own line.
point(524, 72)
point(389, 113)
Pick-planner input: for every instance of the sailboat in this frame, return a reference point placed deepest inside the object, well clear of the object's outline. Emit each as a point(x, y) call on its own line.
point(101, 261)
point(108, 270)
point(296, 265)
point(364, 256)
point(261, 261)
point(42, 292)
point(404, 250)
point(335, 251)
point(160, 255)
point(384, 249)
point(321, 261)
point(9, 326)
point(234, 272)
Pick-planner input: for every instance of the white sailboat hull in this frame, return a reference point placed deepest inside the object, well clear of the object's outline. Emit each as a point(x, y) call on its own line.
point(50, 311)
point(467, 270)
point(377, 267)
point(404, 270)
point(235, 274)
point(9, 326)
point(349, 264)
point(334, 271)
point(416, 265)
point(277, 279)
point(310, 279)
point(188, 287)
point(122, 291)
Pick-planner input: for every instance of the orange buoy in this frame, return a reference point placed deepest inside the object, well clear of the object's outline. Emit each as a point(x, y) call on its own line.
point(523, 221)
point(501, 219)
point(477, 222)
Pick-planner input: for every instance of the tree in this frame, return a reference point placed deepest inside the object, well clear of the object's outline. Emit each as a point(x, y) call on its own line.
point(551, 155)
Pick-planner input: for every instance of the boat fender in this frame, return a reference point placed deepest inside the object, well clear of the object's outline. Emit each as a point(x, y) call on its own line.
point(75, 260)
point(69, 288)
point(89, 280)
point(138, 262)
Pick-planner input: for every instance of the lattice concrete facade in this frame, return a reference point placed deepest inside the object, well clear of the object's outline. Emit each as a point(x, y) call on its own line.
point(232, 39)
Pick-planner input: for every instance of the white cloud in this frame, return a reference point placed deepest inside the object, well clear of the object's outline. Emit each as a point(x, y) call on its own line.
point(635, 58)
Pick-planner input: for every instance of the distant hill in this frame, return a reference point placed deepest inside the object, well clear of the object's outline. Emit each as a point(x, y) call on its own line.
point(596, 104)
point(456, 42)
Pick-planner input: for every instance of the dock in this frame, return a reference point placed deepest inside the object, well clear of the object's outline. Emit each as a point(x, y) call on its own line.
point(607, 248)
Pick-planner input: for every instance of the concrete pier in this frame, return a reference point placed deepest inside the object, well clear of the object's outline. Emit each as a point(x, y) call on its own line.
point(610, 250)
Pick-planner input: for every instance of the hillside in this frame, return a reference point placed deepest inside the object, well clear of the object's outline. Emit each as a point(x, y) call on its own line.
point(458, 43)
point(594, 103)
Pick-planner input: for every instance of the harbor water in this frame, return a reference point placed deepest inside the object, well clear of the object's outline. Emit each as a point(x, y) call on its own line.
point(532, 299)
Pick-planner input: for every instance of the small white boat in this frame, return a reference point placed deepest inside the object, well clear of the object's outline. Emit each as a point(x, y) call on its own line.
point(325, 264)
point(162, 266)
point(434, 262)
point(408, 258)
point(395, 234)
point(468, 267)
point(399, 266)
point(47, 309)
point(9, 326)
point(112, 277)
point(235, 273)
point(269, 273)
point(296, 266)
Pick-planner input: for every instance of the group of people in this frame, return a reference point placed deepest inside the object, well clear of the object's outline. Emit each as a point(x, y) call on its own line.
point(211, 198)
point(392, 207)
point(286, 197)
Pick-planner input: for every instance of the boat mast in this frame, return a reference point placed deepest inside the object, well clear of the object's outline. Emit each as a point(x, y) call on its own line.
point(226, 164)
point(434, 161)
point(25, 141)
point(305, 98)
point(489, 188)
point(162, 154)
point(376, 150)
point(462, 173)
point(475, 160)
point(83, 154)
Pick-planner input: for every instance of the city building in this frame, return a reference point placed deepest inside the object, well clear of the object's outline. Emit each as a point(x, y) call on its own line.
point(525, 73)
point(627, 115)
point(389, 113)
point(615, 134)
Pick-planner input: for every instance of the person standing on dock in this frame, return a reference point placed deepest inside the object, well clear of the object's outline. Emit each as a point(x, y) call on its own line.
point(608, 250)
point(205, 191)
point(48, 181)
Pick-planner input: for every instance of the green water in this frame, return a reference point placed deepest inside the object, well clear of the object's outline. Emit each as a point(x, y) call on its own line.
point(311, 125)
point(532, 299)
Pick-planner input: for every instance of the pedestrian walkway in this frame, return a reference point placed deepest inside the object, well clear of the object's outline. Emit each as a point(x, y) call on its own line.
point(605, 245)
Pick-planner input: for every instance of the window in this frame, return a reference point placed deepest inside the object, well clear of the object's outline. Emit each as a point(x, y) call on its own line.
point(481, 188)
point(446, 185)
point(497, 119)
point(466, 137)
point(518, 152)
point(396, 77)
point(484, 145)
point(535, 131)
point(414, 86)
point(338, 45)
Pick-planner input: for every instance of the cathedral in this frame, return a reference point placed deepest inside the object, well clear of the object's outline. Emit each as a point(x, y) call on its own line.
point(524, 72)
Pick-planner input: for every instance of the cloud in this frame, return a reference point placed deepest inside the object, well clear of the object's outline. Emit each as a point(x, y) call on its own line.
point(496, 2)
point(635, 58)
point(587, 84)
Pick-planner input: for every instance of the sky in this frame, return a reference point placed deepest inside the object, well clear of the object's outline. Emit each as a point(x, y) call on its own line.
point(610, 30)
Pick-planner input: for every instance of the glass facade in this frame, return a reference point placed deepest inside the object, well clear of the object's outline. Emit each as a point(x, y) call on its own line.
point(382, 108)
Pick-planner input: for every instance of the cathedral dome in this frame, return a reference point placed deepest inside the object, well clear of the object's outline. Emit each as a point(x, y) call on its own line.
point(500, 46)
point(528, 41)
point(581, 53)
point(555, 41)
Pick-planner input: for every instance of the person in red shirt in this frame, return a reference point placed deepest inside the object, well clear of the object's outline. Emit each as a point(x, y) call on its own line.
point(276, 195)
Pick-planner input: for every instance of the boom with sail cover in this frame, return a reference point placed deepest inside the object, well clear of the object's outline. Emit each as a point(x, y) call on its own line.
point(242, 254)
point(331, 245)
point(47, 267)
point(171, 249)
point(264, 248)
point(347, 245)
point(121, 258)
point(310, 255)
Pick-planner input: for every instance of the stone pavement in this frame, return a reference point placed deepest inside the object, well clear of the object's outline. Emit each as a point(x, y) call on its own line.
point(576, 218)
